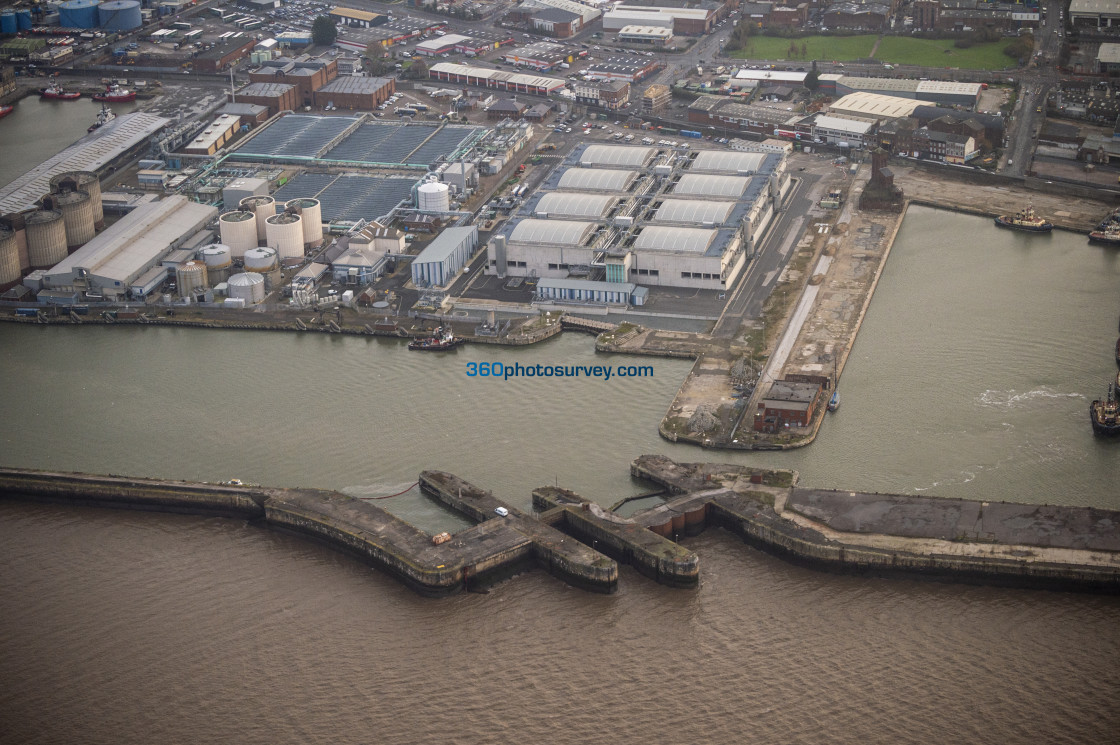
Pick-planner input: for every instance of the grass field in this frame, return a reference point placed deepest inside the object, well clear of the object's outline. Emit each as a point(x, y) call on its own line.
point(817, 47)
point(892, 49)
point(942, 53)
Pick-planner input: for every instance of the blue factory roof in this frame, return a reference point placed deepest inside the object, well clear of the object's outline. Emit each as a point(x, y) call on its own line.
point(348, 197)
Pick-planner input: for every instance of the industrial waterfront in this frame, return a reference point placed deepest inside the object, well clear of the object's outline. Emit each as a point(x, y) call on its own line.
point(970, 378)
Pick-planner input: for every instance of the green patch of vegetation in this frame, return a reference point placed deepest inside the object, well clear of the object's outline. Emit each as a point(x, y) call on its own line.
point(780, 479)
point(944, 53)
point(807, 48)
point(760, 496)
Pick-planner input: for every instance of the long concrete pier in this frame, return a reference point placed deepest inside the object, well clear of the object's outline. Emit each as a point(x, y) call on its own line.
point(1022, 545)
point(470, 558)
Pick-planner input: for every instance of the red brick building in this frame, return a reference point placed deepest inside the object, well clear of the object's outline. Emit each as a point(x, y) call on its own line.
point(307, 75)
point(787, 404)
point(276, 96)
point(222, 56)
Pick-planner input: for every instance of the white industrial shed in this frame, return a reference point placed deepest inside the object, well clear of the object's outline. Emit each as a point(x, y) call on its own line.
point(715, 161)
point(616, 155)
point(111, 264)
point(575, 204)
point(693, 211)
point(699, 185)
point(436, 265)
point(554, 232)
point(597, 179)
point(680, 240)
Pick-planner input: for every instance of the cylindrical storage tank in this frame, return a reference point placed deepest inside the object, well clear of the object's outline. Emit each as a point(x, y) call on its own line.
point(261, 260)
point(190, 278)
point(433, 197)
point(23, 18)
point(218, 260)
point(77, 212)
point(8, 22)
point(263, 207)
point(9, 258)
point(46, 238)
point(247, 286)
point(86, 181)
point(120, 15)
point(312, 213)
point(78, 14)
point(285, 234)
point(239, 231)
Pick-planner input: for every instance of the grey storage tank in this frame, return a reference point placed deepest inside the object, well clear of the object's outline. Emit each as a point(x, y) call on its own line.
point(86, 181)
point(77, 212)
point(9, 258)
point(120, 15)
point(46, 238)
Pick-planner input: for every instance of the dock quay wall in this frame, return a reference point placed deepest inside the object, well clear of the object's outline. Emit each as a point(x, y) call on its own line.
point(333, 519)
point(138, 494)
point(770, 533)
point(652, 554)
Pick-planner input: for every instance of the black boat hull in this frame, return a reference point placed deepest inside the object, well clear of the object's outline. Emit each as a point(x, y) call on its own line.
point(1044, 228)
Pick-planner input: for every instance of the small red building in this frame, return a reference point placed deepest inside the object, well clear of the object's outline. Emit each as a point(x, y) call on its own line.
point(787, 404)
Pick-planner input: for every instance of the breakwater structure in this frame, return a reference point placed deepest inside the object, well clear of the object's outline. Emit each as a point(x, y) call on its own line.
point(896, 535)
point(494, 548)
point(1000, 543)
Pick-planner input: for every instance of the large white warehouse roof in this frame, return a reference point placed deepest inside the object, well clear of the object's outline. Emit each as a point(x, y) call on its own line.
point(723, 162)
point(695, 184)
point(88, 154)
point(681, 240)
point(694, 211)
point(574, 204)
point(127, 248)
point(596, 179)
point(875, 106)
point(616, 155)
point(556, 232)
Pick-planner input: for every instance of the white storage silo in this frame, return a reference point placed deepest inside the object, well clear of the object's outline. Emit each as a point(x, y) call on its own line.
point(312, 213)
point(433, 196)
point(46, 238)
point(285, 234)
point(239, 231)
point(248, 287)
point(263, 207)
point(77, 212)
point(261, 260)
point(86, 181)
point(218, 259)
point(9, 258)
point(190, 277)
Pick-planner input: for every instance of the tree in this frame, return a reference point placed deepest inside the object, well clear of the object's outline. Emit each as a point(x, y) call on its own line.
point(323, 31)
point(418, 70)
point(813, 78)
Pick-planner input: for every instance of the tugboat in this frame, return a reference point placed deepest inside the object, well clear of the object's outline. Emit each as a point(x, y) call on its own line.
point(115, 94)
point(104, 116)
point(55, 92)
point(439, 341)
point(834, 402)
point(1027, 220)
point(1105, 415)
point(5, 110)
point(1108, 235)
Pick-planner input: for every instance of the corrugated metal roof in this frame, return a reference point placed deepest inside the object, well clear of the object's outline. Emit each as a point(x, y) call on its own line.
point(711, 186)
point(575, 204)
point(596, 179)
point(694, 211)
point(446, 244)
point(617, 155)
point(875, 105)
point(679, 240)
point(88, 154)
point(128, 246)
point(724, 162)
point(556, 232)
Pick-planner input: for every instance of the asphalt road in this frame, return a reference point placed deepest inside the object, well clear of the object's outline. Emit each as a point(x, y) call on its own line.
point(774, 254)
